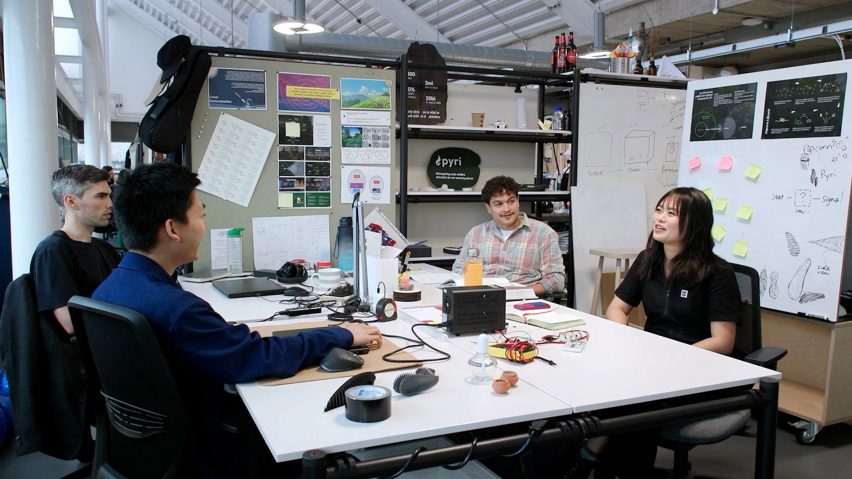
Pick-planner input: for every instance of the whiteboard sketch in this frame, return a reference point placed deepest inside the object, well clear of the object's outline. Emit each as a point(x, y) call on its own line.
point(795, 289)
point(601, 143)
point(639, 146)
point(773, 285)
point(792, 244)
point(835, 243)
point(672, 152)
point(642, 99)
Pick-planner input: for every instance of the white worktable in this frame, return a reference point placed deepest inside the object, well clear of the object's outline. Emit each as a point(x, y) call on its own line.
point(621, 365)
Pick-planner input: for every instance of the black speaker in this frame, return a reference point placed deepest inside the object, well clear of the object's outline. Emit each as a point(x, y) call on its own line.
point(292, 273)
point(474, 309)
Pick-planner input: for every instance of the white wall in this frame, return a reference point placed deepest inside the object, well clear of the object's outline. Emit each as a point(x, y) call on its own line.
point(133, 66)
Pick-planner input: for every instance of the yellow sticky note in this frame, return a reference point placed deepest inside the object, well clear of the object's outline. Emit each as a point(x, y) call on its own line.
point(720, 204)
point(292, 129)
point(740, 249)
point(745, 212)
point(708, 192)
point(753, 171)
point(718, 233)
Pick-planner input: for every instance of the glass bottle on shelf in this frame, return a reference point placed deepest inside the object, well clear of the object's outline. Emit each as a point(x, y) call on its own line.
point(571, 52)
point(652, 69)
point(473, 268)
point(637, 69)
point(562, 55)
point(554, 54)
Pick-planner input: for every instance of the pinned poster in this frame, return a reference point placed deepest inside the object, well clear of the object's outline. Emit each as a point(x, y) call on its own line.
point(694, 163)
point(740, 249)
point(726, 162)
point(753, 171)
point(709, 193)
point(720, 204)
point(718, 233)
point(373, 182)
point(745, 212)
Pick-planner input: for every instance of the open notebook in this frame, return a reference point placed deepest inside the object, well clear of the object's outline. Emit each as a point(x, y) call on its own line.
point(552, 320)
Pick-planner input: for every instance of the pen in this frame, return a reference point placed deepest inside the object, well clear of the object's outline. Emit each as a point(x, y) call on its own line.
point(812, 316)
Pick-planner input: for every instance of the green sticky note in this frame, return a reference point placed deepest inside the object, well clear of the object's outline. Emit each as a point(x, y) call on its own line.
point(708, 192)
point(718, 233)
point(753, 171)
point(740, 249)
point(745, 212)
point(720, 204)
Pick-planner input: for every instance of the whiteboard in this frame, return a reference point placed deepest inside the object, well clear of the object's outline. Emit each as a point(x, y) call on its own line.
point(629, 134)
point(798, 143)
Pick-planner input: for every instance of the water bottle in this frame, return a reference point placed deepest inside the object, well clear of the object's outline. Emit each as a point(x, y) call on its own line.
point(343, 244)
point(235, 250)
point(557, 119)
point(473, 268)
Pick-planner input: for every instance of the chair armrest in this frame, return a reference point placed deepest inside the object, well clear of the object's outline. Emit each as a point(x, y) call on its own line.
point(766, 357)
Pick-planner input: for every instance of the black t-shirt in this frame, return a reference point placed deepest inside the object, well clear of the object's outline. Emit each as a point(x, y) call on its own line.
point(62, 267)
point(682, 314)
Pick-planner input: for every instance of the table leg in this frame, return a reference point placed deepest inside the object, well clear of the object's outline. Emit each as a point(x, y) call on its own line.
point(595, 295)
point(767, 416)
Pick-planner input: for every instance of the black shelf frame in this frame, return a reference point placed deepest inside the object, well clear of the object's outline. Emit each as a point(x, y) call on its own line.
point(525, 197)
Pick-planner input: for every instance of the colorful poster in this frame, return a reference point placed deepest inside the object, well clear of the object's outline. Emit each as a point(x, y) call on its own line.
point(373, 182)
point(723, 113)
point(365, 94)
point(302, 103)
point(236, 89)
point(804, 107)
point(365, 144)
point(304, 176)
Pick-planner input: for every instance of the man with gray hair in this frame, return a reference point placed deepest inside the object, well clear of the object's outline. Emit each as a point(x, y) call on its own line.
point(70, 261)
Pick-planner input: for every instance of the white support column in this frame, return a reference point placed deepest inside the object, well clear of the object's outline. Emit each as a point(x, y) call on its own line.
point(32, 130)
point(102, 12)
point(91, 116)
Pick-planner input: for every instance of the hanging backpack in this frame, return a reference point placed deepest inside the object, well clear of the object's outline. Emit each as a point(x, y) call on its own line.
point(164, 126)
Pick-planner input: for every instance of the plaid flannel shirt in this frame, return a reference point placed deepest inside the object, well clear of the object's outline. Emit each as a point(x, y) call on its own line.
point(529, 255)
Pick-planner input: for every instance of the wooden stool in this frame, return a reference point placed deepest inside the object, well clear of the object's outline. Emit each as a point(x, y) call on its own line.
point(618, 254)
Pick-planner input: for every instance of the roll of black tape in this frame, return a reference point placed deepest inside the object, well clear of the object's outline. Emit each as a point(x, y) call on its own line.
point(368, 403)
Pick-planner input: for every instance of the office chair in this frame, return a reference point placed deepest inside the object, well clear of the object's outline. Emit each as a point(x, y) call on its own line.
point(143, 429)
point(682, 437)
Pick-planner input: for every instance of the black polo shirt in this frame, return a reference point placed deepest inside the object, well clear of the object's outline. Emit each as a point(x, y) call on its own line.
point(679, 312)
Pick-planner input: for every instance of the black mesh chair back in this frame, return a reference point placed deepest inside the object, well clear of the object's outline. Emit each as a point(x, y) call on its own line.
point(143, 429)
point(748, 330)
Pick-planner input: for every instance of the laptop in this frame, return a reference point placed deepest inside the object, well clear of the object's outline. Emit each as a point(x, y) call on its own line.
point(247, 287)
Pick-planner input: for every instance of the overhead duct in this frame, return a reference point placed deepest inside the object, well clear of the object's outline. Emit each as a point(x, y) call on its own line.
point(262, 37)
point(598, 27)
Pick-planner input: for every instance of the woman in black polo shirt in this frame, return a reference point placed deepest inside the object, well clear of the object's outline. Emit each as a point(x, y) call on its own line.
point(689, 295)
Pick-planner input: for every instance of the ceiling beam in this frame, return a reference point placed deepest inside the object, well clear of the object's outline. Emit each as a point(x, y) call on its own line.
point(657, 13)
point(405, 19)
point(576, 13)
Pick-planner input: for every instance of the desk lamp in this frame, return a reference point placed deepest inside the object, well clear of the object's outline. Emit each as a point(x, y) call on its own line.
point(359, 252)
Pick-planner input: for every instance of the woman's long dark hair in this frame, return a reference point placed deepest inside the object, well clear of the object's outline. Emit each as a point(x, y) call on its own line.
point(696, 261)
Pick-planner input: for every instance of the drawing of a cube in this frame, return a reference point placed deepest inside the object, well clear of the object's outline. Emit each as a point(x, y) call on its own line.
point(639, 146)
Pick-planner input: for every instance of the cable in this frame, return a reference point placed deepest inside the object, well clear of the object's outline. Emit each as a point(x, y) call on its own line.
point(407, 464)
point(417, 343)
point(455, 467)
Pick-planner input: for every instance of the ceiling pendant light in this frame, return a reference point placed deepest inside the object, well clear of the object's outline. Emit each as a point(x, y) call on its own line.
point(297, 24)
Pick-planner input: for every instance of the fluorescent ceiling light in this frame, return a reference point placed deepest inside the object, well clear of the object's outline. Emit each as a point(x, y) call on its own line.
point(595, 54)
point(290, 26)
point(751, 21)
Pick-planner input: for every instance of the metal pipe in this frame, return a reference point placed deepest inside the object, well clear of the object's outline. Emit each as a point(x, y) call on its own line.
point(261, 36)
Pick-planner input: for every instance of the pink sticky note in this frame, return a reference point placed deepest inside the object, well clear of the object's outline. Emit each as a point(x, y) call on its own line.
point(695, 163)
point(725, 163)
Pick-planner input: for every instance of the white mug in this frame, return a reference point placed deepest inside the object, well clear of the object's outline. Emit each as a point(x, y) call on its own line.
point(327, 278)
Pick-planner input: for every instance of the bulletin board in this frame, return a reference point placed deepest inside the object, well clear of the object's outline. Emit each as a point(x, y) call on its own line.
point(772, 149)
point(318, 126)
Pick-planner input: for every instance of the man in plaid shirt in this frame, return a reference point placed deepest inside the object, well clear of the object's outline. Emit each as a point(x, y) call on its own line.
point(512, 245)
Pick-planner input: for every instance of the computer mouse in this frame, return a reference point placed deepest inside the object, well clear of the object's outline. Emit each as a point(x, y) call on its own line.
point(339, 359)
point(295, 291)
